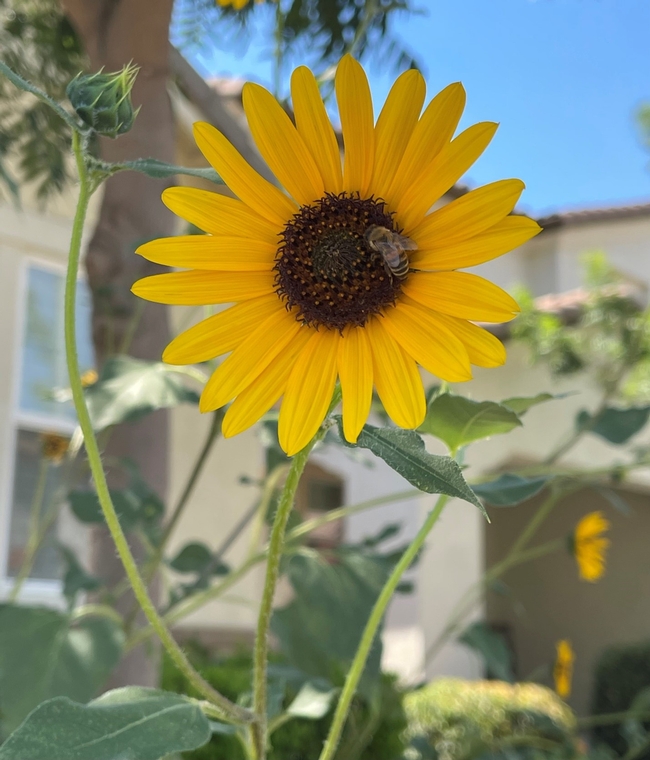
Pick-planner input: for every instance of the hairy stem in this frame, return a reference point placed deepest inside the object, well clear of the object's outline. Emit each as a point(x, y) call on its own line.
point(230, 710)
point(370, 631)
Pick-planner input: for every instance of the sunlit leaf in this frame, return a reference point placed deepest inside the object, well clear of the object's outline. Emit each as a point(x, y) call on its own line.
point(132, 723)
point(457, 420)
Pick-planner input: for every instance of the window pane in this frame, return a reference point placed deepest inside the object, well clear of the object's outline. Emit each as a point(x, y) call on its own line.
point(26, 477)
point(43, 361)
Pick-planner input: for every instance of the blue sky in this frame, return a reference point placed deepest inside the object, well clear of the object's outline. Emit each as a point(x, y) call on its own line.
point(563, 78)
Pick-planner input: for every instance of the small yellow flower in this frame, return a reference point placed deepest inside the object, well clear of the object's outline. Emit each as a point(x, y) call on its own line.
point(589, 546)
point(54, 447)
point(563, 670)
point(348, 274)
point(88, 378)
point(236, 4)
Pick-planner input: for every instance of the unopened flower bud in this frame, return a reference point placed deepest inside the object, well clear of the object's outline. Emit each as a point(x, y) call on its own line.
point(103, 101)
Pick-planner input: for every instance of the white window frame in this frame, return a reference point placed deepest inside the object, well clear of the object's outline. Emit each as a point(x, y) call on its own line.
point(44, 591)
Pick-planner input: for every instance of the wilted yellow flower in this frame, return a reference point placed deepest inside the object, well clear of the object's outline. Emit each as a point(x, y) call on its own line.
point(346, 275)
point(563, 670)
point(54, 447)
point(589, 546)
point(88, 378)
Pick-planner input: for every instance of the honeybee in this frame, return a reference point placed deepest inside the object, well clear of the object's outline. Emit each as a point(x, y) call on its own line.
point(392, 247)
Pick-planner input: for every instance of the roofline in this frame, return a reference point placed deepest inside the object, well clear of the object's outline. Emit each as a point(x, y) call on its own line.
point(591, 215)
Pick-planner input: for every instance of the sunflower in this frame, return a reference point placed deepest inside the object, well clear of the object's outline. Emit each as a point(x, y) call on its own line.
point(315, 299)
point(563, 670)
point(54, 447)
point(589, 546)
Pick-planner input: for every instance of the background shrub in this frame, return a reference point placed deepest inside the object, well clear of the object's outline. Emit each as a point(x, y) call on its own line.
point(375, 728)
point(452, 719)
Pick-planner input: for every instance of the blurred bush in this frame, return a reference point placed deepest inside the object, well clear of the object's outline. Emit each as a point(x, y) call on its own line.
point(375, 730)
point(452, 719)
point(621, 677)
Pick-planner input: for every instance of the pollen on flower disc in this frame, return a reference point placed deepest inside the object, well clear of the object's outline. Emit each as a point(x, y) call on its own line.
point(326, 269)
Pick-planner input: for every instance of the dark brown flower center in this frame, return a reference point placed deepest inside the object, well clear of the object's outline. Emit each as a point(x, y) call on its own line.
point(326, 269)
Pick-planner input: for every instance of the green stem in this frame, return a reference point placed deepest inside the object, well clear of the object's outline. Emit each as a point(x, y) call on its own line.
point(370, 631)
point(231, 710)
point(34, 535)
point(274, 555)
point(25, 86)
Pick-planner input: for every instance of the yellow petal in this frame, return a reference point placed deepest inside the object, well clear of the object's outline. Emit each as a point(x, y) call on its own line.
point(315, 128)
point(309, 391)
point(429, 342)
point(461, 294)
point(431, 134)
point(222, 253)
point(220, 333)
point(262, 393)
point(201, 287)
point(483, 349)
point(396, 377)
point(442, 173)
point(355, 372)
point(395, 126)
point(219, 214)
point(468, 215)
point(241, 178)
point(282, 147)
point(249, 359)
point(357, 124)
point(504, 236)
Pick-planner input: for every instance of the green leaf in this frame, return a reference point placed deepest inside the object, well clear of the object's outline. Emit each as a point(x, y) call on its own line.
point(195, 557)
point(458, 421)
point(76, 579)
point(44, 655)
point(508, 490)
point(87, 509)
point(521, 404)
point(132, 723)
point(320, 629)
point(130, 388)
point(161, 170)
point(614, 425)
point(313, 701)
point(492, 648)
point(404, 451)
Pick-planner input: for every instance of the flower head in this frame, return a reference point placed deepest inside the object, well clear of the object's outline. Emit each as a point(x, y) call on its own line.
point(563, 670)
point(589, 546)
point(347, 274)
point(54, 447)
point(236, 4)
point(89, 377)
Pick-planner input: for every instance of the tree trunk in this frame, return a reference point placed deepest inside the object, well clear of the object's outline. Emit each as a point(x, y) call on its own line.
point(114, 32)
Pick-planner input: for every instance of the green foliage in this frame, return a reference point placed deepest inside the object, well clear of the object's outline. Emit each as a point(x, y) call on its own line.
point(132, 722)
point(374, 733)
point(404, 451)
point(196, 557)
point(462, 720)
point(45, 654)
point(320, 629)
point(130, 388)
point(521, 404)
point(37, 42)
point(492, 647)
point(621, 674)
point(608, 335)
point(457, 420)
point(508, 490)
point(75, 578)
point(614, 425)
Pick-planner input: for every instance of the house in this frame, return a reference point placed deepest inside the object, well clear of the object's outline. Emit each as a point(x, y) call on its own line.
point(33, 251)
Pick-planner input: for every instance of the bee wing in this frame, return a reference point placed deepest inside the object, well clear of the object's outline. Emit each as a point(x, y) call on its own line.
point(405, 243)
point(385, 248)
